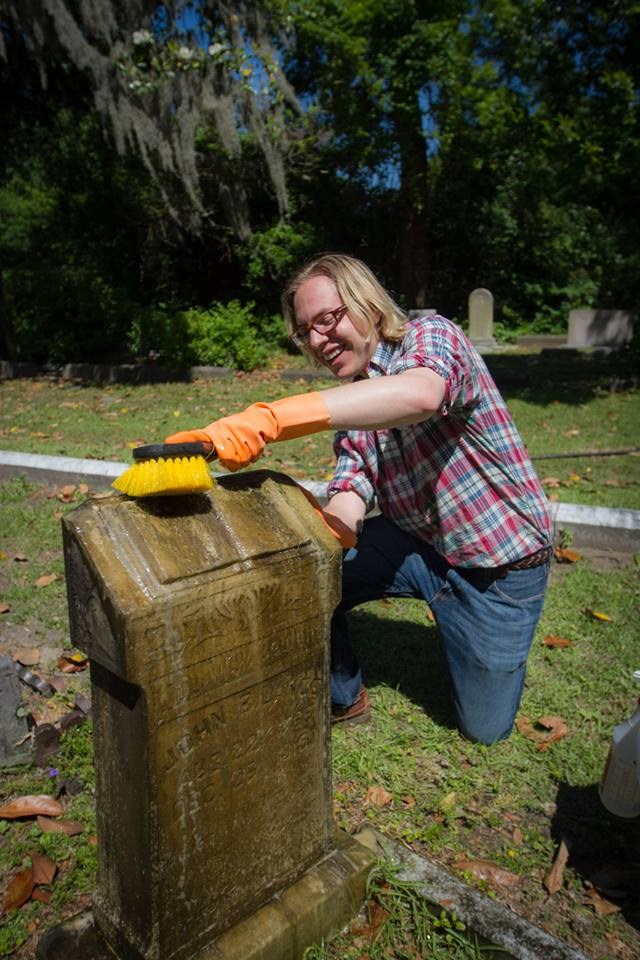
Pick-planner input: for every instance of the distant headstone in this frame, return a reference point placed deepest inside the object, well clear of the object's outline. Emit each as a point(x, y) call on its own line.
point(599, 328)
point(14, 728)
point(481, 318)
point(206, 622)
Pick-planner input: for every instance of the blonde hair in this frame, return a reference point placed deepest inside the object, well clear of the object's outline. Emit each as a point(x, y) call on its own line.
point(369, 305)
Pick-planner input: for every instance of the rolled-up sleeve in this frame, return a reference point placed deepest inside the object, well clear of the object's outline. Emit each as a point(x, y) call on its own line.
point(351, 473)
point(437, 347)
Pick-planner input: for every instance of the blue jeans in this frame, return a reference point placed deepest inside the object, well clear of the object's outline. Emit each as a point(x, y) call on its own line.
point(486, 625)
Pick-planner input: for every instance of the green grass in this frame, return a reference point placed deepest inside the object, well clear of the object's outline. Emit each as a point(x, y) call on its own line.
point(448, 798)
point(556, 410)
point(453, 799)
point(510, 804)
point(75, 856)
point(395, 924)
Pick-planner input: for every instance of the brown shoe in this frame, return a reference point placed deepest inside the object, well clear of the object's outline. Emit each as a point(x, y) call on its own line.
point(358, 712)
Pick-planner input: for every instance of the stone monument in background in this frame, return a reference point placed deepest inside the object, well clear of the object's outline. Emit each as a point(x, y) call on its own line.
point(481, 319)
point(206, 622)
point(595, 327)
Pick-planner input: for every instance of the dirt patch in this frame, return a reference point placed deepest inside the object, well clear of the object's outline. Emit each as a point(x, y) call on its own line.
point(600, 558)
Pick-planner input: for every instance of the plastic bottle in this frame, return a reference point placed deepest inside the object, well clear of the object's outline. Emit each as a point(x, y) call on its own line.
point(620, 784)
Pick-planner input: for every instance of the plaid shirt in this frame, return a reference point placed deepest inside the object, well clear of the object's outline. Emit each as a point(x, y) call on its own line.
point(462, 479)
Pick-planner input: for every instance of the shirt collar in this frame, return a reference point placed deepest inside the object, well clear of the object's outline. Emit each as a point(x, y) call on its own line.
point(381, 358)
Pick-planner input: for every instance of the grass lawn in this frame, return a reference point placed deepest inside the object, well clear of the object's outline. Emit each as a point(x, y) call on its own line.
point(407, 772)
point(579, 404)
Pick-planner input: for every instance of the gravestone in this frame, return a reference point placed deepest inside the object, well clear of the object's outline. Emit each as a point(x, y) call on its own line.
point(481, 319)
point(599, 328)
point(206, 622)
point(14, 728)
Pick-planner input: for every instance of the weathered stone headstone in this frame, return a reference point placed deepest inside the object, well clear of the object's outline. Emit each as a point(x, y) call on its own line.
point(14, 728)
point(481, 318)
point(599, 328)
point(206, 620)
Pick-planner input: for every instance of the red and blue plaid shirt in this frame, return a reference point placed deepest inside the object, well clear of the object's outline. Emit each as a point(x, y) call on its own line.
point(462, 479)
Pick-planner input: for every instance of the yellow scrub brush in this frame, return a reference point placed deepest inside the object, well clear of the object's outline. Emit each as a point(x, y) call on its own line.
point(167, 469)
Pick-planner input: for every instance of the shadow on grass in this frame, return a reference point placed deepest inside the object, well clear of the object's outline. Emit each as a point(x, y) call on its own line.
point(603, 849)
point(570, 376)
point(406, 656)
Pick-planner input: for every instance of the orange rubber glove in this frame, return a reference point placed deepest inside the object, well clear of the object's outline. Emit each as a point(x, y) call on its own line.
point(343, 534)
point(240, 439)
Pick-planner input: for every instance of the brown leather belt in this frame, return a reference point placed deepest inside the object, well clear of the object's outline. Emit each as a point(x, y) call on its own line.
point(489, 574)
point(533, 560)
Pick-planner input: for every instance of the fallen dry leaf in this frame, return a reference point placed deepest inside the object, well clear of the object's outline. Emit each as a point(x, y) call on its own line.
point(31, 806)
point(18, 889)
point(42, 896)
point(46, 579)
point(43, 868)
point(601, 906)
point(65, 494)
point(46, 742)
point(598, 615)
point(70, 827)
point(5, 608)
point(20, 558)
point(550, 482)
point(554, 878)
point(27, 656)
point(378, 916)
point(552, 641)
point(491, 873)
point(83, 488)
point(73, 663)
point(564, 555)
point(555, 728)
point(377, 797)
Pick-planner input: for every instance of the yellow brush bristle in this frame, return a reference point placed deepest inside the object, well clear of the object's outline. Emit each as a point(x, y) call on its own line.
point(163, 478)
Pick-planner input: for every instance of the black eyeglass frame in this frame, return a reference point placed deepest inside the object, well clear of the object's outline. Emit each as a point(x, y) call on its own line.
point(301, 339)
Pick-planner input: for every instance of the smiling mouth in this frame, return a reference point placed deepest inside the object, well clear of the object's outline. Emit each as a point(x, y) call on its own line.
point(332, 355)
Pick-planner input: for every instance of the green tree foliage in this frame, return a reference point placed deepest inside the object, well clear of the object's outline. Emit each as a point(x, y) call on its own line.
point(450, 143)
point(496, 120)
point(69, 241)
point(555, 218)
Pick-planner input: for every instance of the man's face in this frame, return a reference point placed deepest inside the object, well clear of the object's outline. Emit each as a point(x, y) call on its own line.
point(343, 349)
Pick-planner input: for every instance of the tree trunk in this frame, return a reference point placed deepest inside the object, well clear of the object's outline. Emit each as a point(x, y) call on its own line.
point(412, 207)
point(6, 329)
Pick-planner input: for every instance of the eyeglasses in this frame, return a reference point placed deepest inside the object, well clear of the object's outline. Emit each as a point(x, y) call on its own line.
point(324, 324)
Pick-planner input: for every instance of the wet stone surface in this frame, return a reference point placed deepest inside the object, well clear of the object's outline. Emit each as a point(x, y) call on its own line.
point(205, 620)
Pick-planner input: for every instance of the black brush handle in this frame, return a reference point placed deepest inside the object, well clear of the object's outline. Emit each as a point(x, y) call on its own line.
point(169, 451)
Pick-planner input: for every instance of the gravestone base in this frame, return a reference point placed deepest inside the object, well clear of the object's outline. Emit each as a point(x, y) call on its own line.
point(484, 344)
point(319, 904)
